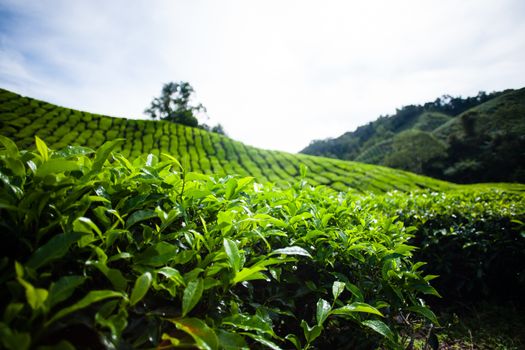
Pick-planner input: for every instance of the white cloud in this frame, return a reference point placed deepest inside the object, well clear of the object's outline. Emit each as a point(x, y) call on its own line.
point(275, 74)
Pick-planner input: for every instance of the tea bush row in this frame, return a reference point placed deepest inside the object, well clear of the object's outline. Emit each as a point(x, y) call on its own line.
point(473, 238)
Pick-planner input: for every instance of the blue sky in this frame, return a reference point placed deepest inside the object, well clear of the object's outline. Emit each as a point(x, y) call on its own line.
point(276, 74)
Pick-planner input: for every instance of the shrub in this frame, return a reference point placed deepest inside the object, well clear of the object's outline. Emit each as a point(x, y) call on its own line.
point(112, 134)
point(93, 125)
point(105, 123)
point(474, 240)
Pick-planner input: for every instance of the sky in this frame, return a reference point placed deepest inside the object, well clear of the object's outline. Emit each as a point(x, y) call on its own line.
point(276, 74)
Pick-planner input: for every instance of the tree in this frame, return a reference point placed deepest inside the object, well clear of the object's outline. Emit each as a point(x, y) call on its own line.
point(174, 104)
point(219, 129)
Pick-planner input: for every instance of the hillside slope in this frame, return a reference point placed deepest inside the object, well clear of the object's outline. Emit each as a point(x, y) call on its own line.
point(487, 142)
point(22, 118)
point(476, 139)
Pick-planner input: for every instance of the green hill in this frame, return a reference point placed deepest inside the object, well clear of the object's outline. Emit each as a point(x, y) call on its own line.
point(21, 118)
point(474, 139)
point(487, 142)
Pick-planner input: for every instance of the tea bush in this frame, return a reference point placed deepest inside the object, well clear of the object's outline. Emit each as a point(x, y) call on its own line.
point(102, 252)
point(474, 238)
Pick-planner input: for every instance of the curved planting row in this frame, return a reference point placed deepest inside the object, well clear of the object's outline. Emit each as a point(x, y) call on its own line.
point(22, 118)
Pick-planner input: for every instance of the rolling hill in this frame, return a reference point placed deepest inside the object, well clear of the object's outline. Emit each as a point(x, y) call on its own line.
point(21, 118)
point(466, 140)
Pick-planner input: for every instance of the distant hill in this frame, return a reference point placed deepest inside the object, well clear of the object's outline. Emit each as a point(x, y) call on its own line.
point(21, 118)
point(466, 140)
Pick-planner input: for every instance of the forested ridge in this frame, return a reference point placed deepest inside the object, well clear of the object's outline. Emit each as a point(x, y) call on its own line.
point(465, 140)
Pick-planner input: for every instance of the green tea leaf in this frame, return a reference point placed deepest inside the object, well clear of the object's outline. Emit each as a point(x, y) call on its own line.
point(158, 255)
point(267, 343)
point(192, 295)
point(9, 207)
point(300, 217)
point(426, 312)
point(11, 311)
point(86, 225)
point(172, 160)
point(243, 183)
point(172, 274)
point(103, 152)
point(337, 289)
point(204, 336)
point(232, 252)
point(13, 340)
point(231, 185)
point(323, 310)
point(72, 151)
point(231, 341)
point(115, 322)
point(210, 283)
point(310, 333)
point(426, 289)
point(352, 288)
point(140, 215)
point(380, 327)
point(249, 274)
point(326, 218)
point(173, 341)
point(56, 166)
point(249, 323)
point(36, 297)
point(9, 145)
point(403, 249)
point(356, 307)
point(16, 166)
point(42, 148)
point(141, 287)
point(54, 249)
point(63, 289)
point(294, 340)
point(90, 298)
point(294, 250)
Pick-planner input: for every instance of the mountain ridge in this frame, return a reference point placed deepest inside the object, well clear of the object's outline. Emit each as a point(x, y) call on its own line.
point(497, 126)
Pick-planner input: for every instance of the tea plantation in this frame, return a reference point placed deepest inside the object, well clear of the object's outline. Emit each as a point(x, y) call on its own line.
point(179, 238)
point(22, 118)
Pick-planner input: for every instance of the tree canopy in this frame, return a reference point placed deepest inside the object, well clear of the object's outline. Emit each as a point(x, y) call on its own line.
point(174, 104)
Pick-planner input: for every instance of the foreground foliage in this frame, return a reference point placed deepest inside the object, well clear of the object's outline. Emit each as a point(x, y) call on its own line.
point(101, 252)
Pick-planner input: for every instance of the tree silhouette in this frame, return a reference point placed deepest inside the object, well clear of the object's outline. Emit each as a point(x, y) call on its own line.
point(174, 104)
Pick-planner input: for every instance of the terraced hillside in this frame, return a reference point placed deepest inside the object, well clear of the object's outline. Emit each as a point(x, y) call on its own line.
point(21, 118)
